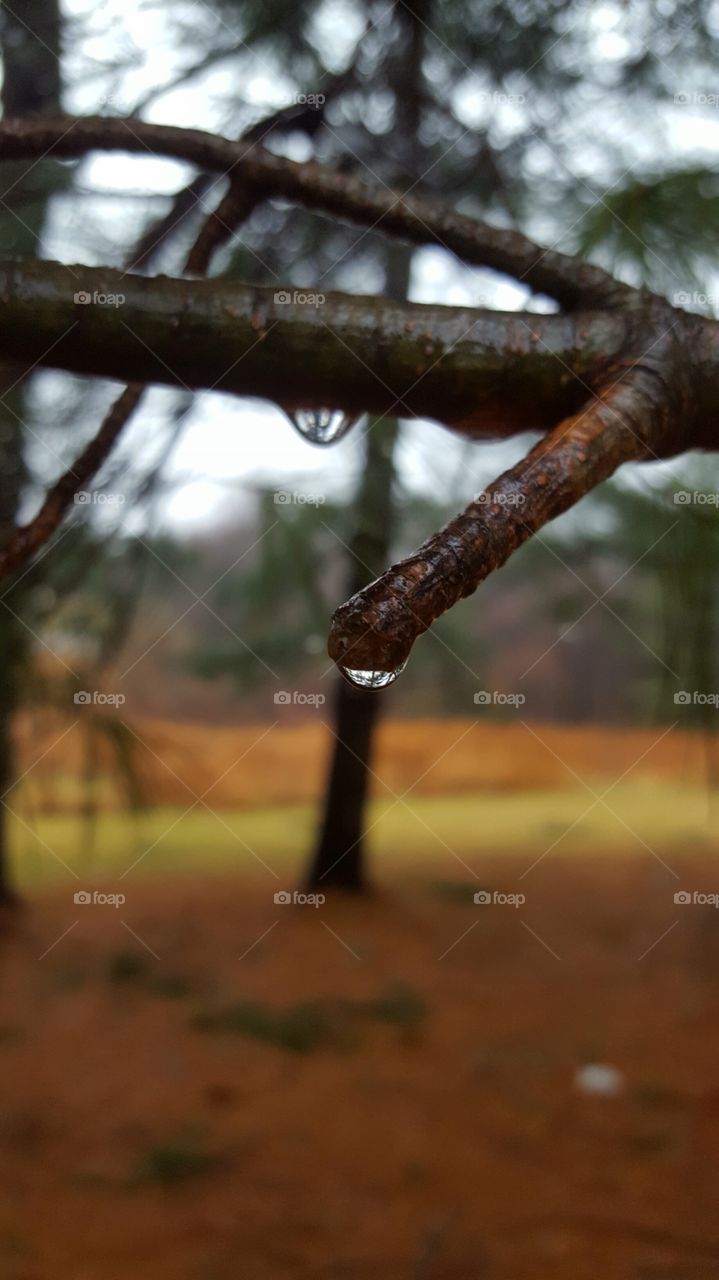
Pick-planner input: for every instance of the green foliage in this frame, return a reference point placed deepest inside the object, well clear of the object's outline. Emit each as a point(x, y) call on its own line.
point(661, 228)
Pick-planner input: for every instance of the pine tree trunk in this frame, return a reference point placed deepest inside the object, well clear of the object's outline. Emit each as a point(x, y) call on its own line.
point(339, 857)
point(339, 861)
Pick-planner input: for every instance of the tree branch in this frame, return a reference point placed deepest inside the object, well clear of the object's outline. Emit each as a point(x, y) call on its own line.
point(28, 539)
point(572, 282)
point(487, 373)
point(636, 417)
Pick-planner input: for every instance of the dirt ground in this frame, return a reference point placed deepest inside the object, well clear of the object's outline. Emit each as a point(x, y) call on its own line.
point(203, 1085)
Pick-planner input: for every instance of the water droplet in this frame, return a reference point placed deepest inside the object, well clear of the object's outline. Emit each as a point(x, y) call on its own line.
point(372, 679)
point(322, 426)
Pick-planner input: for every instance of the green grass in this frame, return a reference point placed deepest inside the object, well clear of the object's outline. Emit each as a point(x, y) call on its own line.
point(162, 840)
point(315, 1024)
point(175, 1161)
point(298, 1028)
point(400, 1006)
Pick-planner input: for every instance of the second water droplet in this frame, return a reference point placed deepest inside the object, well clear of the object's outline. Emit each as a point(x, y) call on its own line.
point(322, 426)
point(372, 679)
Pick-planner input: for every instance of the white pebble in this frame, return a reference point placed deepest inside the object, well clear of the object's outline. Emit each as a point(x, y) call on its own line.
point(599, 1079)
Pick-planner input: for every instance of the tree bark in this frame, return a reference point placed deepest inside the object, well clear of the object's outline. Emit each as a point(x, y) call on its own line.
point(339, 858)
point(487, 373)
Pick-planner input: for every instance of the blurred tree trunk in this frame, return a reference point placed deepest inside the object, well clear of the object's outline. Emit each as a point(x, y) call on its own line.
point(338, 860)
point(30, 33)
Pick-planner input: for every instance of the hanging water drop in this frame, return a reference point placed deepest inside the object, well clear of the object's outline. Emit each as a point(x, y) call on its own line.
point(322, 426)
point(372, 679)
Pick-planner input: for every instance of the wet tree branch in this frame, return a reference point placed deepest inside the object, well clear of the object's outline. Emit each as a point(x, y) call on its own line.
point(636, 417)
point(486, 372)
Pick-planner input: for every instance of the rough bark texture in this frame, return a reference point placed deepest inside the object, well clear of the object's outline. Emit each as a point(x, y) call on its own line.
point(487, 372)
point(634, 419)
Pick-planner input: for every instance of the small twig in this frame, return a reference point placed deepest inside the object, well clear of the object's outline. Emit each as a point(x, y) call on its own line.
point(233, 209)
point(28, 539)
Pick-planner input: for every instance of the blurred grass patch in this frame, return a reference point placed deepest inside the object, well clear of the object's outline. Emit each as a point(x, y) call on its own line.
point(134, 967)
point(174, 1161)
point(315, 1024)
point(298, 1028)
point(166, 842)
point(128, 967)
point(460, 891)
